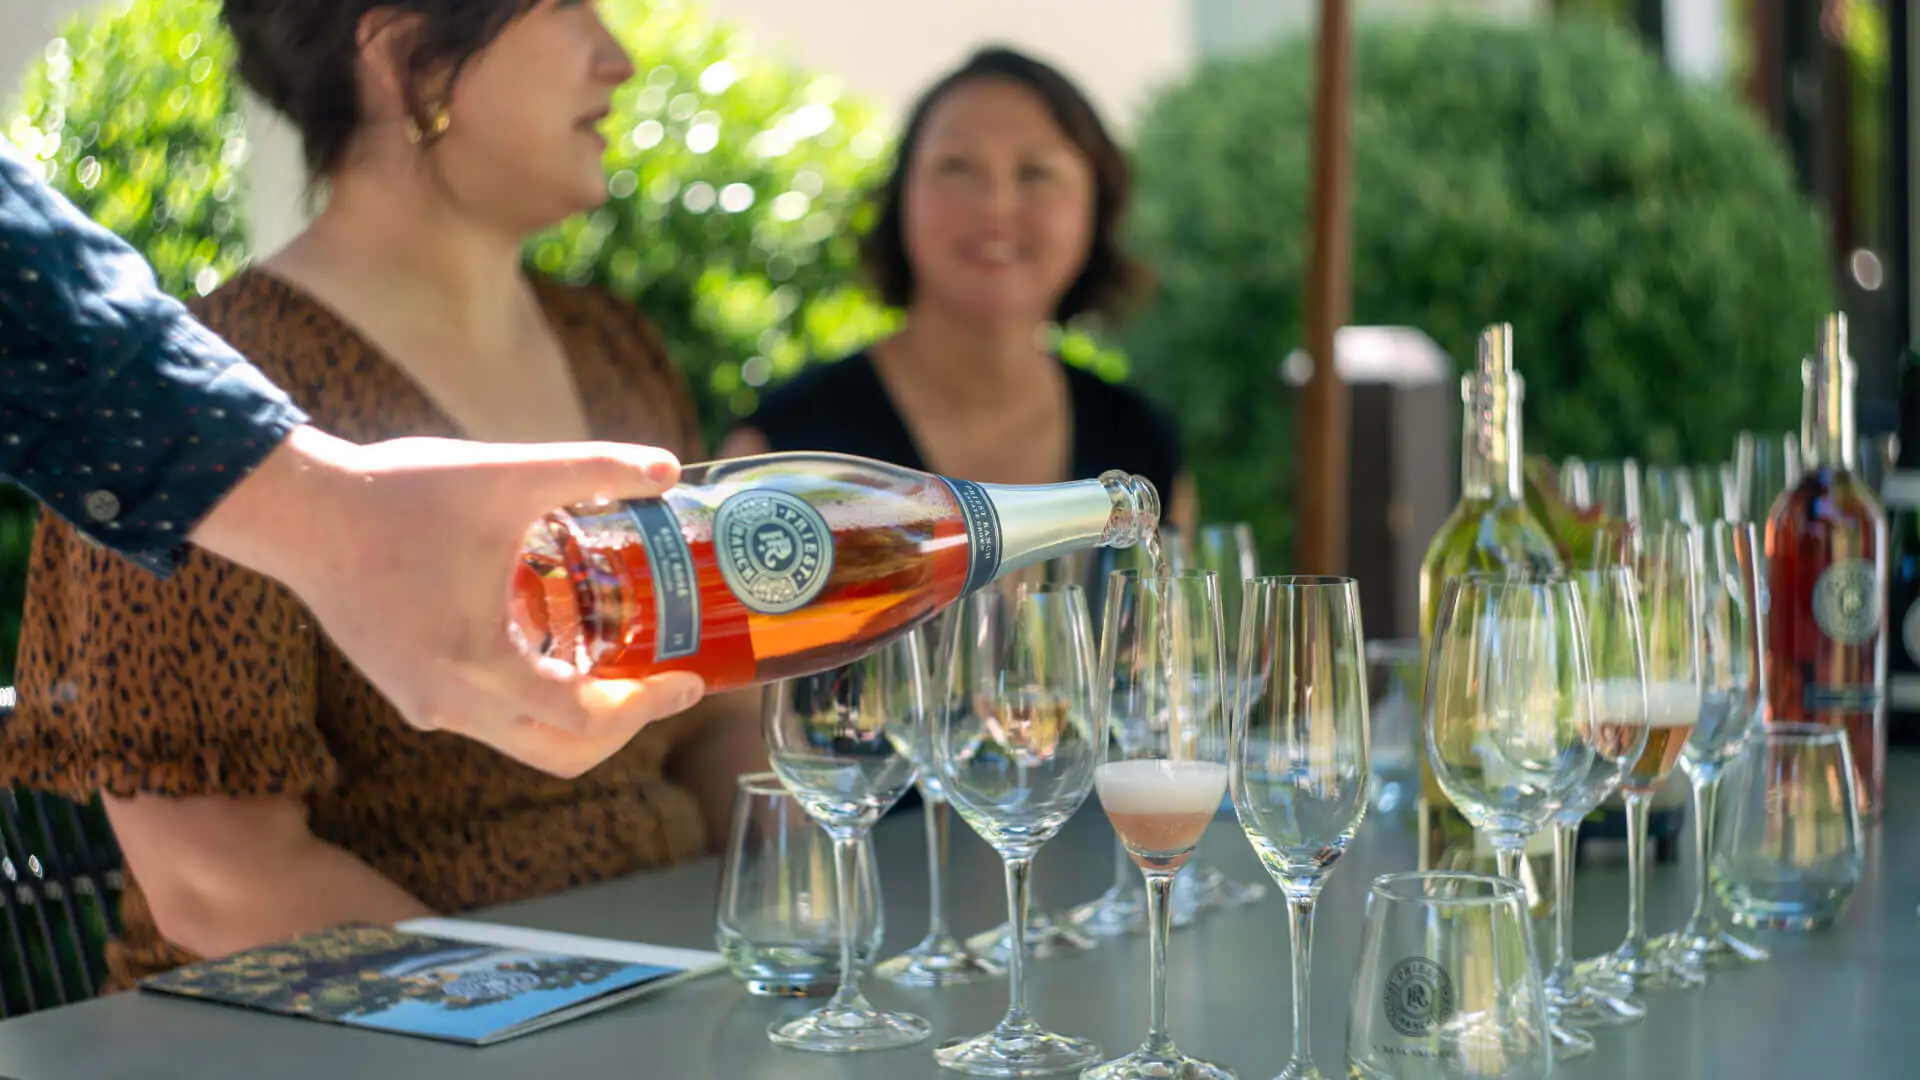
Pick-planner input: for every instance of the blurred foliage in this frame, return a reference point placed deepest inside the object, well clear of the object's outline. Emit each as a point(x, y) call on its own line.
point(1645, 239)
point(737, 184)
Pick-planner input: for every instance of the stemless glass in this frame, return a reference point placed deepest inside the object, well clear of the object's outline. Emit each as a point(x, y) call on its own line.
point(777, 919)
point(1670, 628)
point(1015, 747)
point(1448, 987)
point(1228, 550)
point(938, 959)
point(1509, 704)
point(1733, 652)
point(1165, 732)
point(833, 740)
point(1300, 768)
point(1609, 598)
point(1789, 856)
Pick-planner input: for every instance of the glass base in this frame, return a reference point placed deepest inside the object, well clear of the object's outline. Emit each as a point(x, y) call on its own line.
point(1143, 1064)
point(1016, 1050)
point(1586, 1006)
point(1568, 1043)
point(1046, 940)
point(936, 961)
point(847, 1031)
point(1643, 971)
point(1701, 953)
point(1199, 889)
point(1117, 912)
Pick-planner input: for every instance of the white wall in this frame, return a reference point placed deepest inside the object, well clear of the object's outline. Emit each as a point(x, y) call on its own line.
point(25, 28)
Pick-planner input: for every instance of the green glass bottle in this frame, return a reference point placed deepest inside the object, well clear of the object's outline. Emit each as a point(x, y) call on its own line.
point(1491, 529)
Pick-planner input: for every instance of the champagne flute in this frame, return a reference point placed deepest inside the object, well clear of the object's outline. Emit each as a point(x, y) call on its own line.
point(1670, 628)
point(1165, 731)
point(1509, 704)
point(1015, 747)
point(938, 959)
point(1228, 550)
point(1609, 598)
point(1734, 694)
point(1300, 770)
point(833, 739)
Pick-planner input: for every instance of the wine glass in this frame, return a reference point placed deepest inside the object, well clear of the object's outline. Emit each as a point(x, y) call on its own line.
point(1616, 489)
point(1300, 768)
point(1015, 748)
point(1733, 679)
point(1670, 629)
point(1717, 491)
point(1609, 598)
point(1764, 465)
point(834, 741)
point(1668, 496)
point(1228, 550)
point(938, 959)
point(1508, 705)
point(1166, 731)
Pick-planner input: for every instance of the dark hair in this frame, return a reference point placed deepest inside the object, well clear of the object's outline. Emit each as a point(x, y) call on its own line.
point(301, 57)
point(1109, 280)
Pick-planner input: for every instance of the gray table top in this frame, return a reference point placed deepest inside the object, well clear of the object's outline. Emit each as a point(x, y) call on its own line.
point(1841, 1003)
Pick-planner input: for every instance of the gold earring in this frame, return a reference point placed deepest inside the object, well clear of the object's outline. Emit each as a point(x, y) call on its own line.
point(437, 126)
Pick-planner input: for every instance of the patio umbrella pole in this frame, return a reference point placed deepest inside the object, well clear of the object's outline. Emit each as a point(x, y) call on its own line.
point(1324, 412)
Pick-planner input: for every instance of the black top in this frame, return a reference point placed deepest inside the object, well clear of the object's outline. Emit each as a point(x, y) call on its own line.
point(844, 408)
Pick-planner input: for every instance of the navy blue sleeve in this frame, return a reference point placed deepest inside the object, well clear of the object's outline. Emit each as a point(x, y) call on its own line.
point(117, 410)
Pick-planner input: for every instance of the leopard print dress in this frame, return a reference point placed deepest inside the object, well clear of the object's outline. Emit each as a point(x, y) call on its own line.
point(217, 681)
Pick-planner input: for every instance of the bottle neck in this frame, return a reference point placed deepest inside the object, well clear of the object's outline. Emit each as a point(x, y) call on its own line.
point(1490, 454)
point(1827, 423)
point(1031, 525)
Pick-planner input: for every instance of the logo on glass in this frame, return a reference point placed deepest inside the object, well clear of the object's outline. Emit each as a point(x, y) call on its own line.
point(774, 550)
point(1418, 997)
point(1846, 604)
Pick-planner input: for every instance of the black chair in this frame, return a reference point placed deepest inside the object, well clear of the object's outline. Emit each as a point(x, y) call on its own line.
point(60, 883)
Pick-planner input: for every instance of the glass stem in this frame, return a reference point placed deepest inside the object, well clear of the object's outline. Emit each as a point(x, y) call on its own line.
point(1706, 785)
point(846, 865)
point(938, 815)
point(1300, 922)
point(1159, 922)
point(1564, 839)
point(1017, 942)
point(1638, 807)
point(1508, 860)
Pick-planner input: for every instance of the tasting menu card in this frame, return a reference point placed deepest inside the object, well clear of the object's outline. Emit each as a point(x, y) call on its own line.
point(450, 979)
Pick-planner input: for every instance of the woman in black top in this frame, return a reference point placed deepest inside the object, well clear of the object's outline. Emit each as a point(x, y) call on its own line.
point(1000, 218)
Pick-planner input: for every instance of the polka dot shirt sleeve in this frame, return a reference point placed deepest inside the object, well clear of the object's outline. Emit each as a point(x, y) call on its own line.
point(117, 410)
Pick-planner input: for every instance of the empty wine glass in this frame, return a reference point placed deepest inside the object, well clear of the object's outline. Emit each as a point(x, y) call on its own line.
point(1508, 705)
point(1670, 630)
point(1300, 768)
point(1765, 465)
point(1616, 489)
point(1716, 490)
point(938, 959)
point(1576, 483)
point(1733, 654)
point(1015, 747)
point(1166, 731)
point(1609, 600)
point(834, 740)
point(1668, 496)
point(1228, 550)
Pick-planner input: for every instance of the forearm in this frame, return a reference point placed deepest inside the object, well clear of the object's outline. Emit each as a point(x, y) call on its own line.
point(268, 522)
point(241, 904)
point(725, 744)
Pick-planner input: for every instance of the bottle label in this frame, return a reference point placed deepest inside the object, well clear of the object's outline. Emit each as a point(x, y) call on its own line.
point(1910, 632)
point(774, 549)
point(676, 590)
point(1842, 700)
point(1846, 604)
point(984, 548)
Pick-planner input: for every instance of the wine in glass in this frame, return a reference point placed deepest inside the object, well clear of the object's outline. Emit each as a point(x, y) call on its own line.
point(1015, 747)
point(834, 741)
point(1670, 630)
point(1165, 730)
point(1299, 768)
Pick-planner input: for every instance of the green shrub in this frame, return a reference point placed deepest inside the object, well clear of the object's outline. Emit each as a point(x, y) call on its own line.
point(1645, 239)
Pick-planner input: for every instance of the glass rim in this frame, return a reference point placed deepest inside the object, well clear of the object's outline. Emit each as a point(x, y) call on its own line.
point(1800, 731)
point(1304, 581)
point(763, 784)
point(1185, 573)
point(1505, 579)
point(1497, 890)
